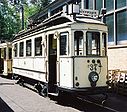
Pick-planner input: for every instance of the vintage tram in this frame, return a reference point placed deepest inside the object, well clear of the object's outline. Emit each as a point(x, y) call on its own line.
point(66, 52)
point(6, 59)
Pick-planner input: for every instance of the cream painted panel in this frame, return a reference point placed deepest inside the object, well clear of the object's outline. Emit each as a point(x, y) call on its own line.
point(66, 72)
point(82, 68)
point(5, 68)
point(31, 74)
point(40, 64)
point(117, 58)
point(28, 63)
point(15, 62)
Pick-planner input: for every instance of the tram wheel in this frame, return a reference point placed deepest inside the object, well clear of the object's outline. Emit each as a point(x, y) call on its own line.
point(20, 82)
point(42, 89)
point(105, 98)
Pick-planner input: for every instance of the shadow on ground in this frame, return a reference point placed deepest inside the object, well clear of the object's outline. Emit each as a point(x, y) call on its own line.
point(71, 101)
point(4, 107)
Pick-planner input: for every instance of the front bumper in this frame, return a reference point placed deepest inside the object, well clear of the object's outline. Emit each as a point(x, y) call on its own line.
point(87, 91)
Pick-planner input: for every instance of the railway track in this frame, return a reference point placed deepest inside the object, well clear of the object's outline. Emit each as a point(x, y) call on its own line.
point(78, 102)
point(86, 104)
point(98, 104)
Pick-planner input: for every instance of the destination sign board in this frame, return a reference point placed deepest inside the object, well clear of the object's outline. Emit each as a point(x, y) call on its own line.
point(89, 13)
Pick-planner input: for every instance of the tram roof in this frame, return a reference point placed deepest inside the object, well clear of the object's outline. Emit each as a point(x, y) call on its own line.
point(89, 20)
point(58, 19)
point(2, 45)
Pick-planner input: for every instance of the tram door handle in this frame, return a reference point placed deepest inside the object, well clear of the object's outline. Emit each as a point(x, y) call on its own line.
point(57, 62)
point(58, 71)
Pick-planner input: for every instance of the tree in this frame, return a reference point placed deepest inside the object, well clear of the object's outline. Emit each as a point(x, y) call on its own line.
point(36, 6)
point(30, 8)
point(40, 3)
point(9, 21)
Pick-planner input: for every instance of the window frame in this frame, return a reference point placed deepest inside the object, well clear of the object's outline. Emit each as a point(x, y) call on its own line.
point(67, 44)
point(109, 6)
point(104, 43)
point(87, 54)
point(10, 52)
point(5, 53)
point(27, 46)
point(35, 40)
point(16, 50)
point(120, 4)
point(21, 54)
point(108, 20)
point(121, 27)
point(78, 46)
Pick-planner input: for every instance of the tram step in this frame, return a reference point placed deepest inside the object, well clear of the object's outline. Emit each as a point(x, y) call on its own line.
point(53, 94)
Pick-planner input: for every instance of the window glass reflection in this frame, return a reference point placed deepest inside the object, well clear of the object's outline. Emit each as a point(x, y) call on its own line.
point(110, 22)
point(78, 42)
point(64, 44)
point(21, 49)
point(90, 4)
point(38, 46)
point(15, 50)
point(109, 4)
point(93, 43)
point(104, 50)
point(99, 4)
point(120, 3)
point(28, 48)
point(121, 26)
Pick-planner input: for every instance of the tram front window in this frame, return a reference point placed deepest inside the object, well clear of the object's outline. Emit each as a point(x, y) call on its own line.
point(104, 50)
point(92, 43)
point(64, 48)
point(78, 42)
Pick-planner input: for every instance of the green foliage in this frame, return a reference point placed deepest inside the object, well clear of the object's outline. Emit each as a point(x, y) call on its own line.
point(10, 22)
point(40, 3)
point(35, 6)
point(29, 10)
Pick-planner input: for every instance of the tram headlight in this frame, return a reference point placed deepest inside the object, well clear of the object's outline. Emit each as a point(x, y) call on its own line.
point(93, 77)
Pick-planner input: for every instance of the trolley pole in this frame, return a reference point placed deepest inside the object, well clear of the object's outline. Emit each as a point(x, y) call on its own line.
point(22, 14)
point(20, 5)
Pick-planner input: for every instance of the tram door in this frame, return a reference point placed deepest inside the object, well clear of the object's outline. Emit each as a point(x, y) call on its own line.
point(52, 63)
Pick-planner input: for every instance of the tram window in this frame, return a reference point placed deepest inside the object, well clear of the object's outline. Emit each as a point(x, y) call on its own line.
point(10, 53)
point(15, 50)
point(21, 49)
point(38, 46)
point(78, 42)
point(4, 53)
point(104, 51)
point(93, 43)
point(0, 53)
point(53, 45)
point(64, 44)
point(28, 48)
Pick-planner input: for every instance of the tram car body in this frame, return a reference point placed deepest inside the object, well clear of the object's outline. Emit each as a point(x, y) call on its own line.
point(6, 59)
point(70, 55)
